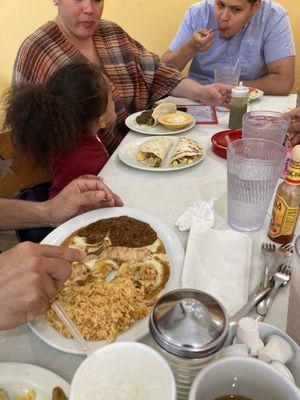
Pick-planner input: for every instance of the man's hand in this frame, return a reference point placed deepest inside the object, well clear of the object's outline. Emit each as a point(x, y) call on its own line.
point(81, 195)
point(201, 40)
point(294, 127)
point(30, 275)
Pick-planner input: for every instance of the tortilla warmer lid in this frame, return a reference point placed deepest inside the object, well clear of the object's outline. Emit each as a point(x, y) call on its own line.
point(219, 142)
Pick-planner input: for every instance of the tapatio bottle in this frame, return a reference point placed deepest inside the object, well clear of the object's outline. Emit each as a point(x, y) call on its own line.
point(286, 206)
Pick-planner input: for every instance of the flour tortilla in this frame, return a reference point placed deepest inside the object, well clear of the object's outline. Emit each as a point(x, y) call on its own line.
point(153, 151)
point(186, 151)
point(163, 109)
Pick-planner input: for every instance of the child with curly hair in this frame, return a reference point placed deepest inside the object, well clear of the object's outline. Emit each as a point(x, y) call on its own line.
point(57, 124)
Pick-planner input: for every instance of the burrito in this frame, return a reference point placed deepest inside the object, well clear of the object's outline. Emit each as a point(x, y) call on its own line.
point(186, 151)
point(149, 117)
point(153, 151)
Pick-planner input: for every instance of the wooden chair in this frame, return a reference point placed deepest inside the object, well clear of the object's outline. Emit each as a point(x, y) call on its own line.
point(16, 172)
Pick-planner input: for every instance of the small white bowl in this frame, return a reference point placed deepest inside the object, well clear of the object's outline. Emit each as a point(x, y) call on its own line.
point(127, 368)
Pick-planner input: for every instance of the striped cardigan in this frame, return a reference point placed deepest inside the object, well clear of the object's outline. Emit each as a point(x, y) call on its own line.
point(137, 77)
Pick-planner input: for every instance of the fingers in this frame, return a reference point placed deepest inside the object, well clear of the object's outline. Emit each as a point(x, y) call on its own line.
point(89, 176)
point(295, 113)
point(118, 201)
point(60, 252)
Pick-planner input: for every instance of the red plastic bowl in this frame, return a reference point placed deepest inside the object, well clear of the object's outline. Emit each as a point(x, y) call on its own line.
point(219, 142)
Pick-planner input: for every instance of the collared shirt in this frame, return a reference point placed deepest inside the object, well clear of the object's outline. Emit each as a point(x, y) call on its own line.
point(265, 38)
point(137, 77)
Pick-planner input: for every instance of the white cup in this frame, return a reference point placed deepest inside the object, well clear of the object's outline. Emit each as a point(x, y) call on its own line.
point(283, 370)
point(124, 370)
point(244, 376)
point(235, 350)
point(276, 349)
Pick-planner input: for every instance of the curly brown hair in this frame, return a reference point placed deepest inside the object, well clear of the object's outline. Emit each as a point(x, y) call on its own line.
point(46, 121)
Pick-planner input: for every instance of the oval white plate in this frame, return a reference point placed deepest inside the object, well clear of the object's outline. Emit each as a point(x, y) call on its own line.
point(255, 95)
point(127, 154)
point(155, 130)
point(174, 251)
point(18, 378)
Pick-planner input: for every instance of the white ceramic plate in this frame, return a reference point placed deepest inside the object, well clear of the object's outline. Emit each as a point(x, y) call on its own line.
point(155, 130)
point(127, 154)
point(255, 94)
point(174, 251)
point(18, 378)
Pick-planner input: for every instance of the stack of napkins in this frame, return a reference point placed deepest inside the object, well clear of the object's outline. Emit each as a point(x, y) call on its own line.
point(218, 262)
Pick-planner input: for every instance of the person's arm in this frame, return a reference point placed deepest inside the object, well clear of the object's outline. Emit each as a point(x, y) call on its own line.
point(214, 94)
point(279, 54)
point(279, 79)
point(294, 128)
point(201, 40)
point(81, 195)
point(30, 276)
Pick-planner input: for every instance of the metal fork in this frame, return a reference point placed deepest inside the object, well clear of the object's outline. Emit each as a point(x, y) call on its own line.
point(268, 250)
point(281, 277)
point(285, 251)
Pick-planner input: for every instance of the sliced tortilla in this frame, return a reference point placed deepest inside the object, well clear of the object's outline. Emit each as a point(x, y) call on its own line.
point(186, 151)
point(163, 109)
point(153, 151)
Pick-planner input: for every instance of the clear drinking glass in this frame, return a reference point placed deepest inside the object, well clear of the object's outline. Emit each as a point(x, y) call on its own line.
point(270, 125)
point(293, 318)
point(253, 167)
point(227, 74)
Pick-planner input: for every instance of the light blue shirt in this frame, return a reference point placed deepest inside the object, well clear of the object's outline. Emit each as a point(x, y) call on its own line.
point(266, 37)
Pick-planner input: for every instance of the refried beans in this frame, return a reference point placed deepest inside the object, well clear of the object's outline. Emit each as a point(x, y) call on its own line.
point(123, 231)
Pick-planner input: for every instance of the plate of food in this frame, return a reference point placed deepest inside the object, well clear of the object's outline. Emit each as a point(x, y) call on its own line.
point(162, 153)
point(132, 257)
point(254, 94)
point(20, 381)
point(147, 121)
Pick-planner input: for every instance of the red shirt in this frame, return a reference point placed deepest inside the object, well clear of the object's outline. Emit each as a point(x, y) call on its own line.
point(88, 157)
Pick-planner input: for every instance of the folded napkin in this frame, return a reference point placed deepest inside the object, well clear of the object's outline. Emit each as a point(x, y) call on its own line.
point(218, 262)
point(202, 209)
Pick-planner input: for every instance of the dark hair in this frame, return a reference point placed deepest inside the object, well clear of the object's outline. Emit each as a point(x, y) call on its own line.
point(47, 120)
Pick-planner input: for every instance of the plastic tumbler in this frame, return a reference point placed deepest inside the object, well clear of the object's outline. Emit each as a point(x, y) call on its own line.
point(253, 167)
point(270, 125)
point(227, 74)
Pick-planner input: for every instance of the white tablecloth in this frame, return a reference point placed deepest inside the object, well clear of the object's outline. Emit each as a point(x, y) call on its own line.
point(166, 195)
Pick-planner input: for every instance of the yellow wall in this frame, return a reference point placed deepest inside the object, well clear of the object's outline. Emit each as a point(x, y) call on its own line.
point(152, 22)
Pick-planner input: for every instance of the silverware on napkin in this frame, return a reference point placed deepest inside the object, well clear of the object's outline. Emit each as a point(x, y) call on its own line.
point(254, 298)
point(281, 278)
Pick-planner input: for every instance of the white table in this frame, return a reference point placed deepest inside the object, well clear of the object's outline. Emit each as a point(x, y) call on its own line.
point(166, 195)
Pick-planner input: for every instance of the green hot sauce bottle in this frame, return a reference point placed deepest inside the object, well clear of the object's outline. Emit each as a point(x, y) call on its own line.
point(238, 106)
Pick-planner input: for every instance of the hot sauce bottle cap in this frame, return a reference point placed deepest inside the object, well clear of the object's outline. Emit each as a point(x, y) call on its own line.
point(240, 91)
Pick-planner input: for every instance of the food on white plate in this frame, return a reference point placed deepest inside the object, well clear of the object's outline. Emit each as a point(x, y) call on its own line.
point(153, 151)
point(149, 117)
point(115, 285)
point(186, 151)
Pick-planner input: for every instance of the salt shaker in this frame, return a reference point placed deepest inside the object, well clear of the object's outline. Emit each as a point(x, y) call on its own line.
point(293, 320)
point(238, 106)
point(188, 327)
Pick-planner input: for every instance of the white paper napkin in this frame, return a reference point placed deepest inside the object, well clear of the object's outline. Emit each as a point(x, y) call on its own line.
point(218, 262)
point(202, 209)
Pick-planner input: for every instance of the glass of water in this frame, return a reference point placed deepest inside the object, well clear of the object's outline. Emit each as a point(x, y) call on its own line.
point(253, 167)
point(270, 125)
